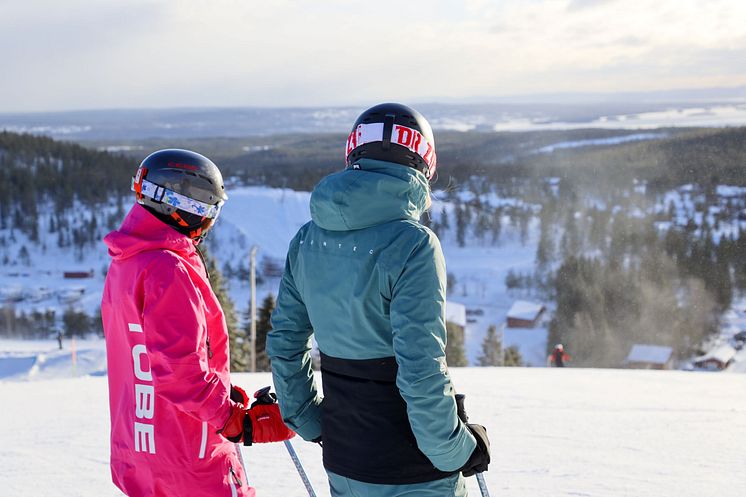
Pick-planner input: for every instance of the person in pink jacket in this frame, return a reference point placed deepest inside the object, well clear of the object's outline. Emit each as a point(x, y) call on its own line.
point(175, 418)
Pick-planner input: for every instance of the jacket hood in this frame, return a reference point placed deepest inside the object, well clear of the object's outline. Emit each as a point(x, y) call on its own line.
point(141, 231)
point(376, 193)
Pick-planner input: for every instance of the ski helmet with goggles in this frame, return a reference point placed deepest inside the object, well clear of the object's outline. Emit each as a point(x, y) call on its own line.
point(393, 133)
point(181, 188)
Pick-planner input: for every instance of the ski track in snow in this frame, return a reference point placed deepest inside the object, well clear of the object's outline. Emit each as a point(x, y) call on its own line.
point(571, 432)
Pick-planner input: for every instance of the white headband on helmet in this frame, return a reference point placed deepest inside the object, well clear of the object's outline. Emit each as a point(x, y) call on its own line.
point(400, 135)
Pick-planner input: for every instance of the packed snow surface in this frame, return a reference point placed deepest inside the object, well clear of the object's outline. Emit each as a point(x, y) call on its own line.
point(555, 432)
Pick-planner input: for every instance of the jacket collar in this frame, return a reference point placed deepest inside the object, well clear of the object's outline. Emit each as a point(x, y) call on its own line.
point(141, 231)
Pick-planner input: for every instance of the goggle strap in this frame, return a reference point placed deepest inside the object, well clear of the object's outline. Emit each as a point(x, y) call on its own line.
point(174, 199)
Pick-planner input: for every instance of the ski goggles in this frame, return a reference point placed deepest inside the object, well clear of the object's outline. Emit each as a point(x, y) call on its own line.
point(177, 200)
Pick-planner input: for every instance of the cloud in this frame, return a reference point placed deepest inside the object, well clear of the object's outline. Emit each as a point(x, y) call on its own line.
point(157, 53)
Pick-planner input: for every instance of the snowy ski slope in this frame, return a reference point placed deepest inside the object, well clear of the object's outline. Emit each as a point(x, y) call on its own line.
point(571, 432)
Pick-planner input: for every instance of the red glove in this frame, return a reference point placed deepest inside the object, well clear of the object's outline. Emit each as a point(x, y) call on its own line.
point(261, 423)
point(239, 395)
point(267, 424)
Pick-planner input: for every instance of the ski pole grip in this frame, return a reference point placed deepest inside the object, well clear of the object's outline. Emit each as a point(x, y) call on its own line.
point(460, 409)
point(263, 396)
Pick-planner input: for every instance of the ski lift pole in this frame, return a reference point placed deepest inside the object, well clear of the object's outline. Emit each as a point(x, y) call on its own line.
point(252, 309)
point(299, 467)
point(461, 410)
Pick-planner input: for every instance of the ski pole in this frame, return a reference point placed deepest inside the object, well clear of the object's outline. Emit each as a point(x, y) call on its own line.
point(482, 485)
point(299, 467)
point(263, 396)
point(240, 458)
point(461, 410)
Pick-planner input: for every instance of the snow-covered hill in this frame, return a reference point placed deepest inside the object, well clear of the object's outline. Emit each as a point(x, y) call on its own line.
point(581, 432)
point(268, 218)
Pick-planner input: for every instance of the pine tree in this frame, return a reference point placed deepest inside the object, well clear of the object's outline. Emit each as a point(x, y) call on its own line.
point(570, 243)
point(237, 343)
point(450, 283)
point(491, 349)
point(496, 226)
point(483, 224)
point(24, 256)
point(455, 355)
point(545, 248)
point(76, 322)
point(461, 225)
point(445, 225)
point(263, 326)
point(513, 357)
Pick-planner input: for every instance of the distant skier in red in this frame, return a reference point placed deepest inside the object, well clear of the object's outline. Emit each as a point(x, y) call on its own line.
point(558, 357)
point(174, 414)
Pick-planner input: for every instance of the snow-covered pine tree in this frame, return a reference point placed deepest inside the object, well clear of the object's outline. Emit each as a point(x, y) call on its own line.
point(491, 349)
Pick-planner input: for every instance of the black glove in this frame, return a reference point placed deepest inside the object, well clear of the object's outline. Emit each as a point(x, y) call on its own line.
point(480, 458)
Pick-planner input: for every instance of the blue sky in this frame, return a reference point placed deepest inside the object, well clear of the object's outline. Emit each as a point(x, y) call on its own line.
point(86, 54)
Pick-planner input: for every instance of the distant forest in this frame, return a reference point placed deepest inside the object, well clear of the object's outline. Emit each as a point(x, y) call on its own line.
point(681, 155)
point(35, 169)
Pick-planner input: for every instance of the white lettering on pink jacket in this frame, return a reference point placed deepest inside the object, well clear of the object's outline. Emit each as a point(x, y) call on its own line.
point(144, 396)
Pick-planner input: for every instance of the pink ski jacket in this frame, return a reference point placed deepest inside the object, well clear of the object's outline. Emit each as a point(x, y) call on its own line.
point(168, 362)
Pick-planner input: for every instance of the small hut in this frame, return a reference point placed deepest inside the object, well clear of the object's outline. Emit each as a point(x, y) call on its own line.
point(524, 314)
point(717, 359)
point(649, 357)
point(78, 275)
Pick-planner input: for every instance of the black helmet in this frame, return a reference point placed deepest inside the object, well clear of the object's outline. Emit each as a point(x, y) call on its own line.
point(181, 188)
point(394, 133)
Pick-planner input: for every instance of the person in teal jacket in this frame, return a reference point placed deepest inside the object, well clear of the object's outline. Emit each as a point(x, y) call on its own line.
point(368, 280)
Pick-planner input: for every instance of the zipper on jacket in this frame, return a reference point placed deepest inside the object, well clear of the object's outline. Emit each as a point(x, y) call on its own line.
point(209, 350)
point(235, 477)
point(234, 490)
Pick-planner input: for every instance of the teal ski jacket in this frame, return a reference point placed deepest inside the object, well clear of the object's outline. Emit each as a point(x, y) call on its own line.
point(368, 280)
